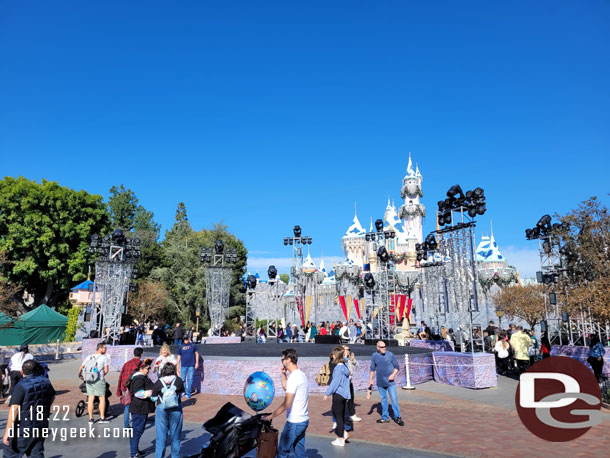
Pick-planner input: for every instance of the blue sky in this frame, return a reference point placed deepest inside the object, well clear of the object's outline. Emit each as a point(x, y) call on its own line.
point(269, 114)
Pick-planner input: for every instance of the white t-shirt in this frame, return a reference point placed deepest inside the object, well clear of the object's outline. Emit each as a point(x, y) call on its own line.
point(162, 361)
point(18, 359)
point(101, 361)
point(502, 353)
point(297, 384)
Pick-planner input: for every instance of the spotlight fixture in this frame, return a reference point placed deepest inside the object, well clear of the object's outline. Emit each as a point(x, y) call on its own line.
point(379, 225)
point(297, 231)
point(219, 246)
point(369, 280)
point(251, 282)
point(118, 238)
point(272, 272)
point(382, 254)
point(472, 202)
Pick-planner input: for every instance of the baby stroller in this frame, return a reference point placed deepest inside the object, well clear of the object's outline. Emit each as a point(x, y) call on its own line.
point(234, 433)
point(81, 407)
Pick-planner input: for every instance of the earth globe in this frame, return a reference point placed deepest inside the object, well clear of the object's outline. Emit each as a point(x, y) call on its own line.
point(259, 391)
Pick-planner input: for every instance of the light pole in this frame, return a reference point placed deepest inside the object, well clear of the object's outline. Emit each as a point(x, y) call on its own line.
point(500, 314)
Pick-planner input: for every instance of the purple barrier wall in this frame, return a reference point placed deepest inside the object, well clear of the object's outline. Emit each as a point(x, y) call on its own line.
point(434, 345)
point(222, 340)
point(468, 370)
point(118, 354)
point(580, 354)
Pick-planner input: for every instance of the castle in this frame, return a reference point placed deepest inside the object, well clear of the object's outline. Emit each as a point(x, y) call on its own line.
point(406, 223)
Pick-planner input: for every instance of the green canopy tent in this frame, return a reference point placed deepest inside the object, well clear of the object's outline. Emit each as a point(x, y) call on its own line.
point(40, 326)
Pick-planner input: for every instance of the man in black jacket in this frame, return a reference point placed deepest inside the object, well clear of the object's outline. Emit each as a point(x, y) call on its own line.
point(32, 396)
point(140, 387)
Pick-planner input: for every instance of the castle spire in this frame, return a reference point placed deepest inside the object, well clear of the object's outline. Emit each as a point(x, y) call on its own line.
point(410, 171)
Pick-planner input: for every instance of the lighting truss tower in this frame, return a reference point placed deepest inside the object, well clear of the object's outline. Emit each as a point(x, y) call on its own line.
point(219, 268)
point(264, 301)
point(296, 272)
point(377, 310)
point(117, 256)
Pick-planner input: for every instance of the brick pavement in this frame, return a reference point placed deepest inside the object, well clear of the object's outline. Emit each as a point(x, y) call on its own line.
point(452, 426)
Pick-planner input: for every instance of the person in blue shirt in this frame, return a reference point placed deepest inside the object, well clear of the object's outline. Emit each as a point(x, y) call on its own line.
point(384, 363)
point(596, 356)
point(339, 389)
point(188, 360)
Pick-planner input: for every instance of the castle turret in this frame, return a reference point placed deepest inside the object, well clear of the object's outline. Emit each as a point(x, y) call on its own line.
point(412, 211)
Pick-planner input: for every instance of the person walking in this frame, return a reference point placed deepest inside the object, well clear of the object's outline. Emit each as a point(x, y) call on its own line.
point(29, 411)
point(545, 345)
point(296, 406)
point(122, 391)
point(521, 344)
point(16, 363)
point(165, 356)
point(386, 366)
point(191, 333)
point(166, 392)
point(351, 363)
point(140, 387)
point(501, 350)
point(93, 371)
point(596, 356)
point(178, 334)
point(339, 389)
point(188, 360)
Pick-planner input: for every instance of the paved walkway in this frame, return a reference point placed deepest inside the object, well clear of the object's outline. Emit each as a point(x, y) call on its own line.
point(439, 418)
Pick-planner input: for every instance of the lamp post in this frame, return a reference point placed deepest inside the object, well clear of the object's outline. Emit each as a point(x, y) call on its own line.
point(500, 314)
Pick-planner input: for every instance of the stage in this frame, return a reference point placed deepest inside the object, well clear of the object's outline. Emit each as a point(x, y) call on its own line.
point(245, 351)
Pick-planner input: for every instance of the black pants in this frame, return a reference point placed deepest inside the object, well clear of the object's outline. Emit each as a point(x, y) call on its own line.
point(15, 379)
point(597, 366)
point(523, 365)
point(503, 365)
point(351, 406)
point(19, 446)
point(338, 409)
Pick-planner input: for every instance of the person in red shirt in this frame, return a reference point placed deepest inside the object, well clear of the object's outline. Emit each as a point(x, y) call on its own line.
point(126, 371)
point(323, 330)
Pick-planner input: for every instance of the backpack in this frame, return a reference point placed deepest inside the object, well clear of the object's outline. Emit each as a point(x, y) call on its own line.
point(91, 372)
point(323, 376)
point(169, 397)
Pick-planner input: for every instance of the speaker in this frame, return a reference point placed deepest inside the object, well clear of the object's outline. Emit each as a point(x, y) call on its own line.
point(388, 342)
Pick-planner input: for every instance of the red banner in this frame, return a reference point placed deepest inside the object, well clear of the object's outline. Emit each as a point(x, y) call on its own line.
point(343, 306)
point(409, 304)
point(402, 299)
point(392, 308)
point(299, 301)
point(357, 306)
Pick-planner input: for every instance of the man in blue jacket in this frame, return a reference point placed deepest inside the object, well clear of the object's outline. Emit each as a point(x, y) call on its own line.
point(384, 363)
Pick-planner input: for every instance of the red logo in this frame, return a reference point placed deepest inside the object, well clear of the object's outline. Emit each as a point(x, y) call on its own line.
point(558, 399)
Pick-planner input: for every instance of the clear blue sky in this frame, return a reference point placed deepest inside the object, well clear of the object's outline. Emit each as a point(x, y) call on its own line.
point(270, 114)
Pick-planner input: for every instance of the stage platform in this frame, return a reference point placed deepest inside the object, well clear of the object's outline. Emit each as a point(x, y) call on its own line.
point(246, 351)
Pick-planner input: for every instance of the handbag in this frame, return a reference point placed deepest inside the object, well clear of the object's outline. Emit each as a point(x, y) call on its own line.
point(267, 442)
point(324, 375)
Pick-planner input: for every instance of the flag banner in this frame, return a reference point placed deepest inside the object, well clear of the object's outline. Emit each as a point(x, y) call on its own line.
point(308, 302)
point(402, 299)
point(409, 304)
point(348, 307)
point(343, 306)
point(357, 307)
point(392, 308)
point(299, 301)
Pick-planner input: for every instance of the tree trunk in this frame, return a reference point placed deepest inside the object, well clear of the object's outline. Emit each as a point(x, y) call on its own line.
point(48, 293)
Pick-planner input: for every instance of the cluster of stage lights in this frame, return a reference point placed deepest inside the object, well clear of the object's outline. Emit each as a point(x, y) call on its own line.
point(428, 245)
point(131, 246)
point(251, 280)
point(207, 253)
point(304, 240)
point(473, 202)
point(544, 228)
point(371, 236)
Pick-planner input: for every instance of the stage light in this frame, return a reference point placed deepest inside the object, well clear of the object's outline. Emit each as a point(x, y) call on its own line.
point(379, 225)
point(392, 234)
point(481, 209)
point(419, 256)
point(382, 254)
point(219, 246)
point(546, 246)
point(386, 234)
point(472, 212)
point(285, 241)
point(272, 272)
point(373, 237)
point(290, 241)
point(297, 231)
point(418, 246)
point(251, 282)
point(478, 192)
point(529, 234)
point(430, 242)
point(117, 237)
point(544, 221)
point(369, 280)
point(425, 255)
point(454, 190)
point(367, 237)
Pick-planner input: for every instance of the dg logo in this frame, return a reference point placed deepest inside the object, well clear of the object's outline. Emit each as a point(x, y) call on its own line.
point(558, 399)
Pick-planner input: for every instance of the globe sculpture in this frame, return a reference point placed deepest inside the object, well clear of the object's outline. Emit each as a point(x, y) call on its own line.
point(259, 391)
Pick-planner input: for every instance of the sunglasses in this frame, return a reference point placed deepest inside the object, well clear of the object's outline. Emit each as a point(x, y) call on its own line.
point(379, 346)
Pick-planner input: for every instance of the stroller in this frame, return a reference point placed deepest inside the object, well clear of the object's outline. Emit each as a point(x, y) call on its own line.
point(234, 433)
point(81, 407)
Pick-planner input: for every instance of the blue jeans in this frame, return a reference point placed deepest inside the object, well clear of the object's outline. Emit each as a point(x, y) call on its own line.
point(177, 341)
point(138, 423)
point(293, 436)
point(383, 393)
point(168, 421)
point(126, 416)
point(186, 374)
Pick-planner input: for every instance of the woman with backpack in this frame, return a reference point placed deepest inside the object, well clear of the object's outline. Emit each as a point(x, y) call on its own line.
point(168, 416)
point(140, 387)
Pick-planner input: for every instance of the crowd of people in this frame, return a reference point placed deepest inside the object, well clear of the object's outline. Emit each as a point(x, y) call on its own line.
point(350, 331)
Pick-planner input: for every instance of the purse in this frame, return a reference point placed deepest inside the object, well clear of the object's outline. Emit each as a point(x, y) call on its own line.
point(323, 376)
point(267, 442)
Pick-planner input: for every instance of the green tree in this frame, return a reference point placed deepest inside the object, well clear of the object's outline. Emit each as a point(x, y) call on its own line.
point(285, 278)
point(44, 231)
point(122, 206)
point(525, 302)
point(181, 213)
